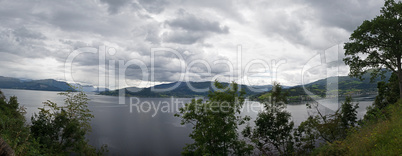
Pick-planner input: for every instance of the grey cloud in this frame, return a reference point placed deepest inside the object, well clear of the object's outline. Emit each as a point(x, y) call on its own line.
point(190, 29)
point(74, 44)
point(84, 17)
point(23, 42)
point(77, 21)
point(87, 24)
point(315, 24)
point(345, 14)
point(38, 30)
point(152, 31)
point(183, 37)
point(153, 6)
point(192, 23)
point(25, 33)
point(284, 25)
point(228, 8)
point(114, 5)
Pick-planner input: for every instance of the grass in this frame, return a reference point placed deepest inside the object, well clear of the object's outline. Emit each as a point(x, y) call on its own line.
point(383, 137)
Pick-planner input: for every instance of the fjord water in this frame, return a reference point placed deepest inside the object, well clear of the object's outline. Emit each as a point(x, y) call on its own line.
point(145, 133)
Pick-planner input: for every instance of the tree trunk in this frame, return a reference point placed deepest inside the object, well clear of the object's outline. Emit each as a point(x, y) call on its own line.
point(5, 149)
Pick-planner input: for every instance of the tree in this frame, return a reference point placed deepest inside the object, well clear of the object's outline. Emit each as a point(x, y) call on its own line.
point(215, 123)
point(273, 126)
point(376, 44)
point(62, 129)
point(329, 127)
point(15, 137)
point(387, 94)
point(348, 115)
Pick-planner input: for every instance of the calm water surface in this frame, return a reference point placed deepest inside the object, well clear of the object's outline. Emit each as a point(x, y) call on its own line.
point(147, 132)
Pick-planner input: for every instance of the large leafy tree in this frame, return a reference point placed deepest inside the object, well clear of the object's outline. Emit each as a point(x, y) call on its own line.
point(273, 129)
point(215, 123)
point(328, 127)
point(62, 129)
point(376, 44)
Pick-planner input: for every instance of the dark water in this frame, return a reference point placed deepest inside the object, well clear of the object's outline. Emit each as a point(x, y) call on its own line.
point(144, 131)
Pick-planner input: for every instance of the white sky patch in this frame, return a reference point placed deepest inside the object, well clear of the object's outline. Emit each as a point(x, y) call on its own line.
point(32, 68)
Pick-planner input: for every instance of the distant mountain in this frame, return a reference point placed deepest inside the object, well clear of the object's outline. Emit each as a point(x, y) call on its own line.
point(46, 84)
point(182, 90)
point(333, 87)
point(89, 88)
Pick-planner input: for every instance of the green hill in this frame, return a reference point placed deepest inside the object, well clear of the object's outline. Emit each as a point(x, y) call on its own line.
point(337, 86)
point(182, 90)
point(46, 84)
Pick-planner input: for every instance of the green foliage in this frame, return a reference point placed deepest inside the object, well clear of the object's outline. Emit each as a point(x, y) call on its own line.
point(380, 133)
point(330, 128)
point(273, 130)
point(348, 115)
point(345, 85)
point(13, 129)
point(388, 93)
point(62, 129)
point(377, 44)
point(305, 136)
point(382, 137)
point(54, 131)
point(215, 123)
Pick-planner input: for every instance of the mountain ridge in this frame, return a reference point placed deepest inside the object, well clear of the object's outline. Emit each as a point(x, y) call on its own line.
point(345, 85)
point(43, 84)
point(182, 89)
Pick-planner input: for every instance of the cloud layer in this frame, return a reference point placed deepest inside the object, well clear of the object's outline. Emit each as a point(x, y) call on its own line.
point(203, 37)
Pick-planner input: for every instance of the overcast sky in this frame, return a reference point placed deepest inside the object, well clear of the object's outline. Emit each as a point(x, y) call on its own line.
point(37, 36)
